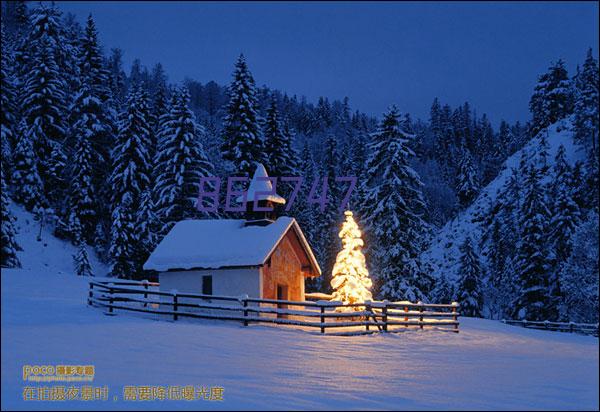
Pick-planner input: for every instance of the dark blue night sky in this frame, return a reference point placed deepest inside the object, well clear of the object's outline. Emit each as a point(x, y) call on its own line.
point(375, 53)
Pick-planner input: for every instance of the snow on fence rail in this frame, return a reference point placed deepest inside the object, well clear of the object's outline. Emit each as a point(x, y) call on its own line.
point(583, 328)
point(381, 316)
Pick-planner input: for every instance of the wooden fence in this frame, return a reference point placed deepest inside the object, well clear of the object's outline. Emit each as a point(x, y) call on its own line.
point(583, 328)
point(359, 318)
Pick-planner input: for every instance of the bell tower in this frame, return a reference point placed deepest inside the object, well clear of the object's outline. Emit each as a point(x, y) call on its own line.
point(268, 202)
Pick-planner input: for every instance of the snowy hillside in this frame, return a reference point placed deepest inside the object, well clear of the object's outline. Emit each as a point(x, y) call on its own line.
point(443, 253)
point(49, 254)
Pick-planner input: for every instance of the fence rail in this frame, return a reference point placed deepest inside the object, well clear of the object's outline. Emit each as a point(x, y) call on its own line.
point(583, 328)
point(359, 318)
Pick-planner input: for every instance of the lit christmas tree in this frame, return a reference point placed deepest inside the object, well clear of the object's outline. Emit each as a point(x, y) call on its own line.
point(350, 278)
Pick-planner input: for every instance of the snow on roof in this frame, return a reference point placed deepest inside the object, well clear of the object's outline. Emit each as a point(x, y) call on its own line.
point(213, 244)
point(261, 186)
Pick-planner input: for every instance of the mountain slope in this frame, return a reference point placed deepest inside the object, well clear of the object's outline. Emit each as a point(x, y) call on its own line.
point(443, 252)
point(49, 254)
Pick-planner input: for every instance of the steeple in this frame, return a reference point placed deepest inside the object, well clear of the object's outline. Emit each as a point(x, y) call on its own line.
point(262, 191)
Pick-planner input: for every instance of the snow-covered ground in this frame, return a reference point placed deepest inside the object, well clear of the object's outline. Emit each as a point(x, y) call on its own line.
point(443, 254)
point(487, 365)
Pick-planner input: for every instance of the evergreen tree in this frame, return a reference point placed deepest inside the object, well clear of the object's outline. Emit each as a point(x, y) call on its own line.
point(281, 155)
point(327, 219)
point(552, 98)
point(85, 131)
point(43, 103)
point(469, 292)
point(181, 162)
point(350, 277)
point(123, 239)
point(579, 274)
point(392, 208)
point(54, 170)
point(91, 63)
point(534, 301)
point(147, 228)
point(117, 78)
point(27, 182)
point(565, 212)
point(586, 104)
point(8, 103)
point(444, 292)
point(9, 258)
point(130, 157)
point(81, 261)
point(242, 143)
point(304, 212)
point(468, 186)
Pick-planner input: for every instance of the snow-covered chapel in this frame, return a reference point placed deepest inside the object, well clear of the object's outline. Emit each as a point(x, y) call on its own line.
point(262, 256)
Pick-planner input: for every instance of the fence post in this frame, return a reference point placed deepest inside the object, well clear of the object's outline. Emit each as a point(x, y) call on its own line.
point(367, 309)
point(384, 315)
point(110, 300)
point(322, 318)
point(571, 327)
point(245, 305)
point(421, 312)
point(174, 305)
point(454, 317)
point(145, 283)
point(406, 317)
point(91, 294)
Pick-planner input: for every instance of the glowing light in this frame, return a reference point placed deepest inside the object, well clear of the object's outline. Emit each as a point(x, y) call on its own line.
point(350, 277)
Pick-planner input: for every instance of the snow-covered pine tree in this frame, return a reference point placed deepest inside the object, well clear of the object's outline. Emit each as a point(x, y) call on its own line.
point(86, 130)
point(43, 102)
point(327, 219)
point(565, 218)
point(81, 261)
point(468, 183)
point(586, 104)
point(566, 214)
point(533, 264)
point(147, 228)
point(123, 239)
point(28, 187)
point(281, 157)
point(392, 209)
point(55, 173)
point(181, 162)
point(305, 213)
point(8, 103)
point(47, 26)
point(242, 141)
point(131, 162)
point(470, 293)
point(579, 274)
point(91, 63)
point(552, 98)
point(117, 78)
point(444, 291)
point(350, 277)
point(498, 245)
point(544, 152)
point(9, 258)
